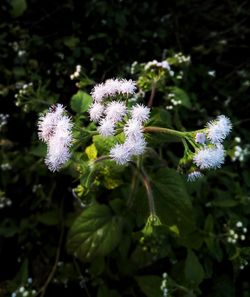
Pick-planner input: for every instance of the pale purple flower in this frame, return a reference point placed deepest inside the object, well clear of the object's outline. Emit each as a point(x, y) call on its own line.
point(219, 129)
point(120, 153)
point(115, 111)
point(140, 113)
point(210, 157)
point(200, 138)
point(193, 176)
point(106, 128)
point(96, 110)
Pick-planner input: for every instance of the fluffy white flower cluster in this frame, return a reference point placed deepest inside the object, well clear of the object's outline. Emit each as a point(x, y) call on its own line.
point(212, 153)
point(109, 114)
point(54, 128)
point(113, 87)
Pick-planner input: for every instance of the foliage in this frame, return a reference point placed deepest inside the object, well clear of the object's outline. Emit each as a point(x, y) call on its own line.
point(87, 230)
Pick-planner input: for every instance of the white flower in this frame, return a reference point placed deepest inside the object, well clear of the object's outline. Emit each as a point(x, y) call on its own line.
point(115, 111)
point(47, 123)
point(55, 129)
point(140, 113)
point(136, 146)
point(112, 86)
point(120, 153)
point(210, 157)
point(58, 145)
point(98, 92)
point(133, 128)
point(200, 138)
point(96, 110)
point(239, 224)
point(193, 176)
point(218, 130)
point(127, 87)
point(165, 65)
point(106, 127)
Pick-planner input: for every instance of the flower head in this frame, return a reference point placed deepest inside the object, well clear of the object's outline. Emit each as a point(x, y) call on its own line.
point(140, 113)
point(218, 130)
point(127, 87)
point(200, 138)
point(55, 129)
point(120, 153)
point(96, 110)
point(193, 176)
point(106, 128)
point(133, 128)
point(98, 92)
point(210, 157)
point(115, 111)
point(48, 122)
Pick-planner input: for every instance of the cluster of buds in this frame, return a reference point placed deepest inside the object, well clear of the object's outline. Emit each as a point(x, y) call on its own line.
point(164, 287)
point(77, 72)
point(25, 291)
point(55, 130)
point(239, 152)
point(4, 201)
point(239, 234)
point(3, 120)
point(111, 115)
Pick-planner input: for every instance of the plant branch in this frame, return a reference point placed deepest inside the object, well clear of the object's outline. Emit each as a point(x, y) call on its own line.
point(152, 95)
point(151, 129)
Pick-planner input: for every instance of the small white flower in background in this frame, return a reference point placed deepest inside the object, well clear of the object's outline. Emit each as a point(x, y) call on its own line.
point(140, 113)
point(106, 128)
point(3, 119)
point(210, 157)
point(77, 72)
point(219, 129)
point(200, 138)
point(96, 111)
point(115, 111)
point(54, 129)
point(193, 176)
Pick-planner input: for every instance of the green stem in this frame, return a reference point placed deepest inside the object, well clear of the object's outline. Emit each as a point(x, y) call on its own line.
point(151, 129)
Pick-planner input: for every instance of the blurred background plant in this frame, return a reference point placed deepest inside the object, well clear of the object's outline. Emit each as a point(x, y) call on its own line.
point(88, 233)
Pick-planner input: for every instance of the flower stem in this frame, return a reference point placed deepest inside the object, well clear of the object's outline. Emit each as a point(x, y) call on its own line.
point(151, 129)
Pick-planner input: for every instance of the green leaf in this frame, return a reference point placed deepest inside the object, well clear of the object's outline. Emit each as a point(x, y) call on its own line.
point(50, 218)
point(91, 151)
point(96, 232)
point(18, 7)
point(173, 205)
point(194, 272)
point(80, 102)
point(181, 95)
point(150, 285)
